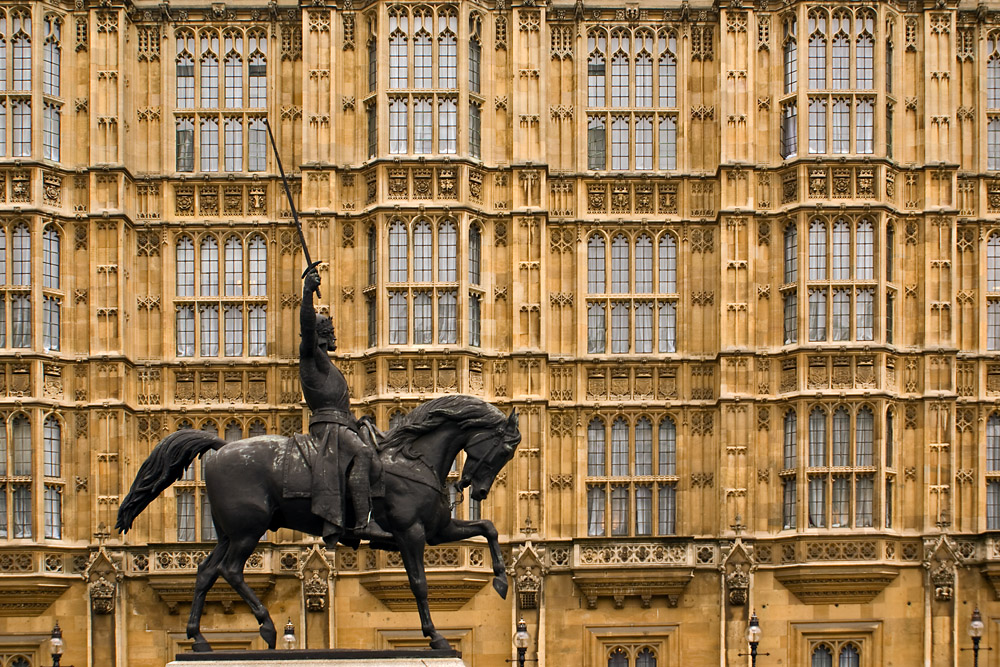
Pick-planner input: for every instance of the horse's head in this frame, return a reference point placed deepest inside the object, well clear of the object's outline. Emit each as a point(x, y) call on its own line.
point(486, 453)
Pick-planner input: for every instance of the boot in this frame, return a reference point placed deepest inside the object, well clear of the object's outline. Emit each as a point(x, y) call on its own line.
point(360, 490)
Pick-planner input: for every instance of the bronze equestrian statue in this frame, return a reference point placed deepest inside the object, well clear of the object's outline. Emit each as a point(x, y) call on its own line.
point(246, 481)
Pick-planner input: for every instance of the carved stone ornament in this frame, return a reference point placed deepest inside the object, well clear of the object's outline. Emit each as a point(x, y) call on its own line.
point(316, 590)
point(943, 579)
point(737, 584)
point(528, 586)
point(102, 596)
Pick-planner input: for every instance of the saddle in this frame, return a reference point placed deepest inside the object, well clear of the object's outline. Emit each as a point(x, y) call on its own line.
point(300, 455)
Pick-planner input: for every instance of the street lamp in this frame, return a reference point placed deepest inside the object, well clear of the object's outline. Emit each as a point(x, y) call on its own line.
point(976, 632)
point(289, 637)
point(753, 638)
point(521, 639)
point(56, 645)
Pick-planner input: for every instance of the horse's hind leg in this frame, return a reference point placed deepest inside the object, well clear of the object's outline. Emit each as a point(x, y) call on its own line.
point(208, 572)
point(232, 570)
point(411, 548)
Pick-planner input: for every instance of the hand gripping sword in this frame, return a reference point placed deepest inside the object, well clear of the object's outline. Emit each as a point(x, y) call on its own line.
point(291, 204)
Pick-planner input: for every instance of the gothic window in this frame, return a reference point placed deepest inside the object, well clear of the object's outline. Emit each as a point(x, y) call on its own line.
point(788, 472)
point(21, 41)
point(668, 70)
point(52, 117)
point(422, 252)
point(596, 68)
point(644, 69)
point(620, 68)
point(22, 127)
point(790, 442)
point(372, 255)
point(234, 144)
point(992, 503)
point(475, 130)
point(52, 442)
point(841, 125)
point(475, 255)
point(790, 54)
point(475, 319)
point(993, 443)
point(209, 69)
point(21, 256)
point(817, 250)
point(596, 328)
point(423, 125)
point(475, 53)
point(50, 71)
point(447, 252)
point(817, 49)
point(789, 129)
point(185, 144)
point(16, 478)
point(234, 69)
point(619, 143)
point(397, 126)
point(638, 502)
point(257, 70)
point(668, 142)
point(865, 120)
point(619, 265)
point(865, 51)
point(643, 143)
point(372, 59)
point(422, 77)
point(185, 70)
point(50, 323)
point(3, 50)
point(822, 657)
point(993, 72)
point(643, 264)
point(398, 27)
point(237, 313)
point(596, 262)
point(50, 257)
point(791, 258)
point(447, 50)
point(841, 50)
point(447, 126)
point(257, 145)
point(817, 125)
point(397, 252)
point(597, 142)
point(865, 250)
point(371, 114)
point(209, 144)
point(841, 250)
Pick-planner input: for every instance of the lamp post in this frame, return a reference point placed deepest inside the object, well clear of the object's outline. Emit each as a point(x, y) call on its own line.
point(521, 639)
point(976, 633)
point(56, 645)
point(753, 637)
point(289, 637)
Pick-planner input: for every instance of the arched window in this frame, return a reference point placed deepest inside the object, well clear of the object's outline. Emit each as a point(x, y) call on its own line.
point(447, 126)
point(790, 54)
point(993, 443)
point(889, 449)
point(791, 261)
point(643, 264)
point(619, 447)
point(447, 51)
point(841, 438)
point(822, 657)
point(398, 27)
point(595, 448)
point(841, 50)
point(475, 53)
point(646, 657)
point(841, 269)
point(596, 69)
point(643, 143)
point(596, 328)
point(596, 264)
point(475, 255)
point(208, 278)
point(185, 144)
point(849, 656)
point(50, 257)
point(3, 86)
point(864, 437)
point(668, 264)
point(422, 77)
point(257, 427)
point(234, 69)
point(841, 125)
point(890, 243)
point(234, 267)
point(53, 447)
point(423, 125)
point(865, 79)
point(51, 83)
point(185, 70)
point(209, 144)
point(423, 248)
point(643, 447)
point(258, 266)
point(185, 266)
point(397, 252)
point(234, 431)
point(209, 70)
point(644, 79)
point(447, 252)
point(619, 265)
point(817, 438)
point(790, 454)
point(21, 30)
point(667, 447)
point(817, 250)
point(668, 70)
point(372, 255)
point(620, 69)
point(618, 658)
point(817, 50)
point(21, 493)
point(258, 68)
point(865, 250)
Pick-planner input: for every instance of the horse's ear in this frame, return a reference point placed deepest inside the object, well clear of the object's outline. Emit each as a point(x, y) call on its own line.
point(512, 420)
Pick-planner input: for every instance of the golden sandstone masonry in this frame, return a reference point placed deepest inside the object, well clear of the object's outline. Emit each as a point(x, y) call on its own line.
point(736, 265)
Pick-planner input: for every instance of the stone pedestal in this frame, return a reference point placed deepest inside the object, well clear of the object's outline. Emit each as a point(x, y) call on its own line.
point(321, 658)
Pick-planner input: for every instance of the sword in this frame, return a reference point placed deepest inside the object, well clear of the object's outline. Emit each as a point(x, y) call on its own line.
point(295, 215)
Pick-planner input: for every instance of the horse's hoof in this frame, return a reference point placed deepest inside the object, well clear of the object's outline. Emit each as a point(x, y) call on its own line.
point(269, 634)
point(440, 643)
point(500, 586)
point(201, 646)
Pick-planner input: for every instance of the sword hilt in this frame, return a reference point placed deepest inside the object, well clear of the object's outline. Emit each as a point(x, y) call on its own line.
point(310, 268)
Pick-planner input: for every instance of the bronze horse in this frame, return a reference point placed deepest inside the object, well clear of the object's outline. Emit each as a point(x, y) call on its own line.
point(244, 485)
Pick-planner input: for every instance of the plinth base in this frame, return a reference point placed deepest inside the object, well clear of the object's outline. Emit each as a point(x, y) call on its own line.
point(321, 658)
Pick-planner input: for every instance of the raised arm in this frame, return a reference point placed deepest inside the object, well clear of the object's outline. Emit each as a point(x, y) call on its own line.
point(307, 314)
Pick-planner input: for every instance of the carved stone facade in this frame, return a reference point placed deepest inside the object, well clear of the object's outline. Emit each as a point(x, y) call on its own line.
point(712, 423)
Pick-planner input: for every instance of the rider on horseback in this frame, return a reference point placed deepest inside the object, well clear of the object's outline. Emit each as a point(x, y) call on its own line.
point(334, 429)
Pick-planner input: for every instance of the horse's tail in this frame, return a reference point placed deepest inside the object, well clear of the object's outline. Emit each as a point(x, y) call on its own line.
point(166, 464)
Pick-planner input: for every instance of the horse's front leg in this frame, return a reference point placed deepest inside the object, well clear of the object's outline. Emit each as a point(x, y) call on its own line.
point(411, 548)
point(459, 529)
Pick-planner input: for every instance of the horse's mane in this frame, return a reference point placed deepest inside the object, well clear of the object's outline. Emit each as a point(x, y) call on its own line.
point(473, 413)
